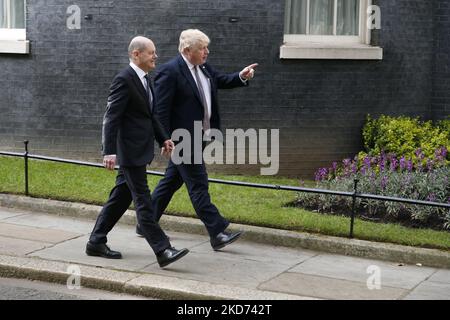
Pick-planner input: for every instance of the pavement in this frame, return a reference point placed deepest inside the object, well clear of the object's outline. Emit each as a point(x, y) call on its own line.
point(45, 240)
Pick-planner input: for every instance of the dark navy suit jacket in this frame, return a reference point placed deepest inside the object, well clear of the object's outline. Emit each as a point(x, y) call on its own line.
point(178, 104)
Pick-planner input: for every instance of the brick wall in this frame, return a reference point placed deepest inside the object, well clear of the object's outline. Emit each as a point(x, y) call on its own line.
point(441, 68)
point(56, 96)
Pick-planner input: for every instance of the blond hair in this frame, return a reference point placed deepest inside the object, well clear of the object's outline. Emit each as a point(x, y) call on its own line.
point(191, 38)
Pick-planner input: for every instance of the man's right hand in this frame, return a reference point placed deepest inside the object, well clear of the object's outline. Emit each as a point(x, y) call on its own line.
point(167, 148)
point(109, 161)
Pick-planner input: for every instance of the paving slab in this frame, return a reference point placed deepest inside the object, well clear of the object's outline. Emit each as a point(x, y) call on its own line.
point(20, 247)
point(8, 213)
point(429, 290)
point(135, 257)
point(260, 253)
point(69, 224)
point(35, 233)
point(243, 264)
point(356, 269)
point(216, 268)
point(441, 276)
point(135, 250)
point(329, 288)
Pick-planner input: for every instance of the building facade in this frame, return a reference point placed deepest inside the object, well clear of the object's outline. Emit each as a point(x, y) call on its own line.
point(317, 91)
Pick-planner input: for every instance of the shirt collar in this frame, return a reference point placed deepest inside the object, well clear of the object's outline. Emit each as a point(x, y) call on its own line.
point(190, 65)
point(141, 73)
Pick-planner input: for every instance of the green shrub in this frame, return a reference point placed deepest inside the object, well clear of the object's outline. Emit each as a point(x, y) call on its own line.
point(403, 136)
point(444, 125)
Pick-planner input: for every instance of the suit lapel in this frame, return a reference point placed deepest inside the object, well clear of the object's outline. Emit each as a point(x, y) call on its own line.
point(188, 75)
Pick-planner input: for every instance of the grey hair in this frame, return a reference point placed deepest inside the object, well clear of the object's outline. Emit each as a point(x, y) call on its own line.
point(191, 38)
point(138, 43)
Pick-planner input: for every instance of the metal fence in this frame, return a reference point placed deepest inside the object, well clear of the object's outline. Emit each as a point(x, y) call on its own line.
point(354, 195)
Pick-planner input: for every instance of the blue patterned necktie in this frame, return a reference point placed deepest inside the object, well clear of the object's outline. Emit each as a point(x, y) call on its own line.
point(206, 124)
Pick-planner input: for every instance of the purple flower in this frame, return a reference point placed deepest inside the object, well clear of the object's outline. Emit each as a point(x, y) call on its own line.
point(402, 163)
point(409, 165)
point(334, 166)
point(346, 163)
point(383, 161)
point(394, 163)
point(384, 181)
point(419, 154)
point(431, 197)
point(367, 161)
point(321, 174)
point(382, 164)
point(354, 167)
point(441, 154)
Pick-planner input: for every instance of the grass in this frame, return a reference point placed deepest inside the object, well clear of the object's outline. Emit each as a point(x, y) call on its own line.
point(259, 207)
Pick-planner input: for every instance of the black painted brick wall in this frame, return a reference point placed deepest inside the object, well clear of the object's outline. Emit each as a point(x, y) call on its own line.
point(441, 71)
point(55, 97)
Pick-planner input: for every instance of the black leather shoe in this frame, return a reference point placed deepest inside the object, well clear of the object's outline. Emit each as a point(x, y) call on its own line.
point(223, 239)
point(170, 255)
point(138, 231)
point(101, 250)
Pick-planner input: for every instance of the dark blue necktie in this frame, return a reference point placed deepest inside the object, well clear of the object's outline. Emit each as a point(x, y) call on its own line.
point(149, 92)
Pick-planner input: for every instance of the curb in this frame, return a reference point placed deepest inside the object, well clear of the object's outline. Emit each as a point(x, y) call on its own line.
point(352, 247)
point(135, 283)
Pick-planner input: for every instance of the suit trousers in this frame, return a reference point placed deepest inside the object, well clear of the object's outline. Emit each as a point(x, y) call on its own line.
point(131, 185)
point(196, 179)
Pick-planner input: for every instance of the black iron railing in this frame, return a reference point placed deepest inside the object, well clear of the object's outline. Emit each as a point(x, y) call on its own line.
point(354, 195)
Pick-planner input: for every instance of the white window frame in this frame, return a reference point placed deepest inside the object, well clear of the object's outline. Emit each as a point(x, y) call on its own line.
point(14, 40)
point(304, 46)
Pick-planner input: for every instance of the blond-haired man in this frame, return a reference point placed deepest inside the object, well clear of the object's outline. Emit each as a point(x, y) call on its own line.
point(187, 89)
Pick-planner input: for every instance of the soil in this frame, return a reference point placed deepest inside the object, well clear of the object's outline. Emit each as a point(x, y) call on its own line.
point(403, 217)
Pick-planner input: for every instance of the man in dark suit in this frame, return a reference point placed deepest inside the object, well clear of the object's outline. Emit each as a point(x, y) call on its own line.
point(187, 92)
point(129, 130)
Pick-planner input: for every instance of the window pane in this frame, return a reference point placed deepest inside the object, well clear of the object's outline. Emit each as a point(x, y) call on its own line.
point(3, 21)
point(347, 18)
point(321, 17)
point(295, 17)
point(17, 14)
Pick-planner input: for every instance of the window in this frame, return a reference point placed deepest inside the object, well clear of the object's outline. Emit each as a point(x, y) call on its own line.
point(327, 29)
point(12, 27)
